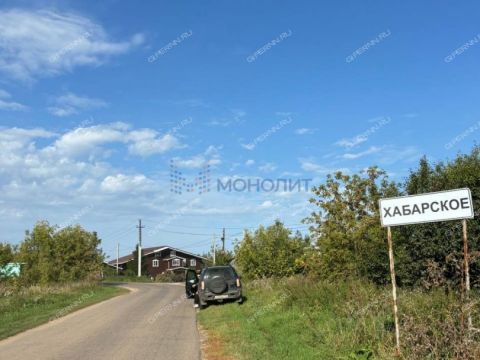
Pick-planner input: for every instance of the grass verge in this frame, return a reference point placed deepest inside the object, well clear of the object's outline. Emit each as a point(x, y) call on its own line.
point(29, 307)
point(299, 318)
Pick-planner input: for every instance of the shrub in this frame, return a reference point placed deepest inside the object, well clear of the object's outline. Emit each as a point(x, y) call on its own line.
point(270, 252)
point(170, 276)
point(71, 254)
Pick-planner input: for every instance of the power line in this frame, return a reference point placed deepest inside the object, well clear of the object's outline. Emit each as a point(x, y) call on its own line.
point(220, 228)
point(117, 232)
point(181, 232)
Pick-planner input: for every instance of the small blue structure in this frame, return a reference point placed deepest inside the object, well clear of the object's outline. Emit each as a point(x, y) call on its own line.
point(10, 270)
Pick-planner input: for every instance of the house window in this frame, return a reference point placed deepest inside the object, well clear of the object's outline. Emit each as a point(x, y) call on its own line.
point(173, 253)
point(184, 262)
point(155, 263)
point(176, 262)
point(193, 262)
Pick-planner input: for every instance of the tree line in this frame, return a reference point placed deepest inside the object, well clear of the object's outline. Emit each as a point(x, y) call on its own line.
point(346, 240)
point(49, 254)
point(345, 237)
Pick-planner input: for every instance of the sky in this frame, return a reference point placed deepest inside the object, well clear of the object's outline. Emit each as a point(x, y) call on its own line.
point(104, 104)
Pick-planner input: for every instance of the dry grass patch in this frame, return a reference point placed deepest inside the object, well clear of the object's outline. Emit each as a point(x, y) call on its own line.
point(212, 346)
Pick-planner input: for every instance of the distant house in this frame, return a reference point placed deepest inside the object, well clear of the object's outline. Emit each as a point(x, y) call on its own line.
point(161, 259)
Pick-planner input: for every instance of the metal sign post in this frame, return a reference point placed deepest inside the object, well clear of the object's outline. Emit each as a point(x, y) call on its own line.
point(394, 289)
point(467, 270)
point(418, 209)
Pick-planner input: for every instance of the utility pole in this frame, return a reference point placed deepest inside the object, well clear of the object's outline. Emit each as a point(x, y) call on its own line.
point(140, 227)
point(118, 254)
point(223, 240)
point(214, 249)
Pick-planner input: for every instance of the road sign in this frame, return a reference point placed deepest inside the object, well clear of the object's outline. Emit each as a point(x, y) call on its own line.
point(424, 208)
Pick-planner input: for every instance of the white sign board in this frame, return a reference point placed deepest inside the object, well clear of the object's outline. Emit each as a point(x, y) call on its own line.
point(424, 208)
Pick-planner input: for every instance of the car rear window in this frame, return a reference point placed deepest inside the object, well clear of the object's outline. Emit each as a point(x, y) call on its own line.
point(227, 273)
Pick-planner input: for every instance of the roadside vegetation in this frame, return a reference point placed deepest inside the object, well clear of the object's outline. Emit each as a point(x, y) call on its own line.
point(126, 278)
point(303, 318)
point(110, 276)
point(22, 308)
point(335, 283)
point(60, 273)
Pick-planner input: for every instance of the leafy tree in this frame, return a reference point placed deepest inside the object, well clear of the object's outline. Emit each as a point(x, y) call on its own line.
point(222, 257)
point(270, 252)
point(346, 228)
point(438, 246)
point(58, 256)
point(350, 242)
point(6, 254)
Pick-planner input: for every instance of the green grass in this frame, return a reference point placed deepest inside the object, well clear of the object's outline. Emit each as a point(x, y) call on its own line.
point(302, 319)
point(29, 307)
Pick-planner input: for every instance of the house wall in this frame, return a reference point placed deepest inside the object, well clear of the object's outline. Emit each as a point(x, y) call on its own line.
point(165, 265)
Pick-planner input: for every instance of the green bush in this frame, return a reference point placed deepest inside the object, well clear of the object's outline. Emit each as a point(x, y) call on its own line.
point(70, 254)
point(270, 251)
point(351, 242)
point(170, 277)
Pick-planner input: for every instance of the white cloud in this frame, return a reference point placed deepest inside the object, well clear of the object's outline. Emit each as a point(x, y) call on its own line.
point(267, 167)
point(12, 134)
point(236, 116)
point(11, 106)
point(304, 131)
point(250, 146)
point(194, 162)
point(148, 142)
point(211, 157)
point(249, 162)
point(70, 104)
point(125, 183)
point(310, 165)
point(90, 140)
point(392, 154)
point(352, 142)
point(266, 204)
point(86, 139)
point(371, 150)
point(213, 151)
point(18, 139)
point(6, 104)
point(46, 43)
point(379, 122)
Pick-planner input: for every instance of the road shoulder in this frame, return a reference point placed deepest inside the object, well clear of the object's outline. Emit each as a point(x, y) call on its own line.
point(21, 321)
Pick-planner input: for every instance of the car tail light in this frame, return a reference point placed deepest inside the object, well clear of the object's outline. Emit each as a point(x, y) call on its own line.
point(238, 282)
point(202, 285)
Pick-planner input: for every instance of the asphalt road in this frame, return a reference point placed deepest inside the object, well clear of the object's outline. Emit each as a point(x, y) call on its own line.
point(154, 321)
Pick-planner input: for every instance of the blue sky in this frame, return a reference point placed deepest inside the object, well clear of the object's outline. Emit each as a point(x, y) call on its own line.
point(89, 125)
